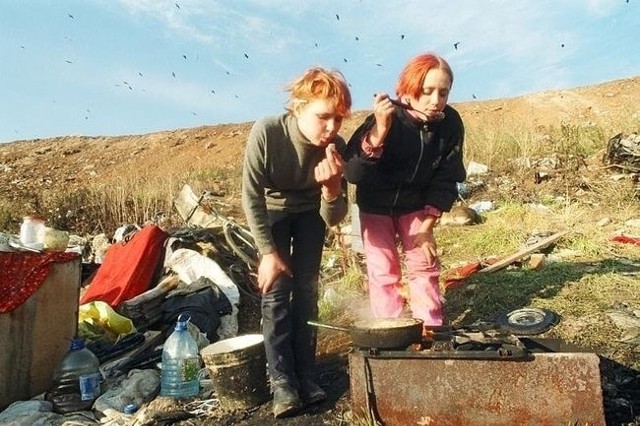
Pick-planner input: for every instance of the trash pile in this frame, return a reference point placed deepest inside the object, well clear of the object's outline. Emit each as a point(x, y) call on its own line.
point(138, 286)
point(623, 153)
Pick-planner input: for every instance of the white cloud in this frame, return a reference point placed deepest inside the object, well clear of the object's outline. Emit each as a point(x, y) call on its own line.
point(176, 20)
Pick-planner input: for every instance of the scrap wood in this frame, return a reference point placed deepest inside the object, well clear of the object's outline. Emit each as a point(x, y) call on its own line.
point(190, 207)
point(524, 252)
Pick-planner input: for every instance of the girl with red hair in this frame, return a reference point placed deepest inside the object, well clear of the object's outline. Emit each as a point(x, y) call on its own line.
point(406, 161)
point(292, 189)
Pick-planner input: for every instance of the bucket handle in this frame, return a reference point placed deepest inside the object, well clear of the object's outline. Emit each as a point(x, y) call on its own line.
point(184, 318)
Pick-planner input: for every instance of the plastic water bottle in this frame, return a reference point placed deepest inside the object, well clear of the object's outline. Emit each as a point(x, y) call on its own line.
point(76, 381)
point(180, 363)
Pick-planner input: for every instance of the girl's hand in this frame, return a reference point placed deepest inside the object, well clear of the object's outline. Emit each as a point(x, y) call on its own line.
point(427, 242)
point(271, 266)
point(329, 173)
point(383, 110)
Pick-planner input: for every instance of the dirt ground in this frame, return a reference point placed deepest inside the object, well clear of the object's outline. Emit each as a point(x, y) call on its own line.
point(67, 163)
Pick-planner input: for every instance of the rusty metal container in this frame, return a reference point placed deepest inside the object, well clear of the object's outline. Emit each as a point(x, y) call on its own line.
point(546, 388)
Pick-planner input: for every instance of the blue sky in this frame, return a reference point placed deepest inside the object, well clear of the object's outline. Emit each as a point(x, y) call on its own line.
point(118, 67)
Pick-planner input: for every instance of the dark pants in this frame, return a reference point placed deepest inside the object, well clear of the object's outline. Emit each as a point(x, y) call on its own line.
point(290, 342)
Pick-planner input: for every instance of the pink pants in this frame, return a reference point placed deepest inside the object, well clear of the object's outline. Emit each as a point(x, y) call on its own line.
point(379, 236)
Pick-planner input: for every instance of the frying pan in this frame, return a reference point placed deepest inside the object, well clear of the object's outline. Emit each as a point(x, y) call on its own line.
point(381, 333)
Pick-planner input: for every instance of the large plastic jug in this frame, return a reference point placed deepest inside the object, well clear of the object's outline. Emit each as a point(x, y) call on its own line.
point(180, 363)
point(76, 380)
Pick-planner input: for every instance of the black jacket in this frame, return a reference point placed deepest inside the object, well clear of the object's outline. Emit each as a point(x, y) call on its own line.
point(420, 165)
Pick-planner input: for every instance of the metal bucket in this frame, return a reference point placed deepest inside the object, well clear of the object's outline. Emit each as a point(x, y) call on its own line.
point(237, 368)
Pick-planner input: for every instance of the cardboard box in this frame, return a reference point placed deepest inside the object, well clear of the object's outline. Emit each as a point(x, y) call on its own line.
point(35, 336)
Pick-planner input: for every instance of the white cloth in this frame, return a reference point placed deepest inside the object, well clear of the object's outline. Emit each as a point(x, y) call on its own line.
point(191, 265)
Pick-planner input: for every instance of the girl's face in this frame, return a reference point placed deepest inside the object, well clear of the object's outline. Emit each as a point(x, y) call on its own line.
point(319, 121)
point(435, 93)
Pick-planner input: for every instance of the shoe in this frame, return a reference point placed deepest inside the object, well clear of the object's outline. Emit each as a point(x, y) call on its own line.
point(286, 401)
point(311, 393)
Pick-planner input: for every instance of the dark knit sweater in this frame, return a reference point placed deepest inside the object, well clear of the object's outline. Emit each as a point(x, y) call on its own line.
point(420, 165)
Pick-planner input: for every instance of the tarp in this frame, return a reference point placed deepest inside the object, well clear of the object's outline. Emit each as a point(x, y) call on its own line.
point(128, 267)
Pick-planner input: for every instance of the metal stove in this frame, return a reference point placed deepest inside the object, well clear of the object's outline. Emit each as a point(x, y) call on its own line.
point(477, 377)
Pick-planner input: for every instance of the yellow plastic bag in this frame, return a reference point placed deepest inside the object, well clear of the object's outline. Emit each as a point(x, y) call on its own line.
point(98, 320)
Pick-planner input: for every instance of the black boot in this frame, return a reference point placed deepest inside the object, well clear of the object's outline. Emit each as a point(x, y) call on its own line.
point(286, 401)
point(310, 391)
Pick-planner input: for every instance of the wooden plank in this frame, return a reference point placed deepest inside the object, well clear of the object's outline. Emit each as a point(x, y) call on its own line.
point(524, 252)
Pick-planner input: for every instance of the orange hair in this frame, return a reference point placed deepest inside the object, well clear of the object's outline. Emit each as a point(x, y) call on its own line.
point(319, 83)
point(412, 76)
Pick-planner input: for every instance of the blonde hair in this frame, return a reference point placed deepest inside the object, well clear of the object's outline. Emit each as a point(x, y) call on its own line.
point(319, 83)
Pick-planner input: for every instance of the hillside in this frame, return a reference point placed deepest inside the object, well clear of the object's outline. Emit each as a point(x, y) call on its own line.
point(65, 163)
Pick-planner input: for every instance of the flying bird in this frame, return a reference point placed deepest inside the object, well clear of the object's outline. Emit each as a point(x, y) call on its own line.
point(401, 36)
point(177, 6)
point(184, 56)
point(139, 73)
point(378, 65)
point(337, 17)
point(474, 96)
point(228, 73)
point(562, 45)
point(173, 74)
point(68, 61)
point(246, 56)
point(455, 45)
point(316, 44)
point(357, 38)
point(345, 59)
point(70, 16)
point(213, 91)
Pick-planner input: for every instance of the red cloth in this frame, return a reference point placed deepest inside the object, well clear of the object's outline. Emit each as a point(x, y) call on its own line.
point(128, 268)
point(23, 273)
point(456, 277)
point(627, 240)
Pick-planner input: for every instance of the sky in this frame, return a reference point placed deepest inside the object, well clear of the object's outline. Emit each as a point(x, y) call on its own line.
point(124, 67)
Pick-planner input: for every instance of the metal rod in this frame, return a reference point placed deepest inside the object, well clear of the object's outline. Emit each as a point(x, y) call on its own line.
point(332, 327)
point(408, 107)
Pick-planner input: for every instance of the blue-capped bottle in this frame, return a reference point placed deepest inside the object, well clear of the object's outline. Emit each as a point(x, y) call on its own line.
point(180, 363)
point(76, 381)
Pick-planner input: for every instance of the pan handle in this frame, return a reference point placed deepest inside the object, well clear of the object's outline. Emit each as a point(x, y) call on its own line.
point(332, 327)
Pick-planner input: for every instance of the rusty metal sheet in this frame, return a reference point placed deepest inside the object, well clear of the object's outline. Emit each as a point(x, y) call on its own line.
point(550, 389)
